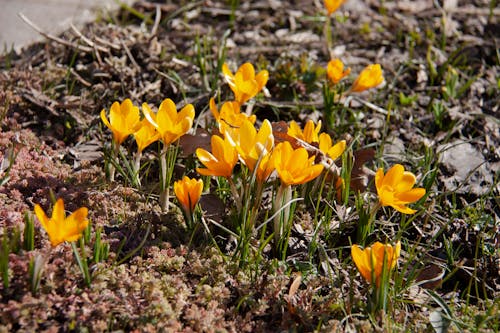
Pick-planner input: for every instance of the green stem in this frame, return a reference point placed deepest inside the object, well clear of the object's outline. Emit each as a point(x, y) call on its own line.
point(82, 264)
point(234, 192)
point(164, 193)
point(114, 155)
point(137, 166)
point(283, 196)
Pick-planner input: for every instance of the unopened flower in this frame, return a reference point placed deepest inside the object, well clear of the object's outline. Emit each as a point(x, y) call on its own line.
point(370, 77)
point(335, 70)
point(221, 161)
point(333, 5)
point(370, 261)
point(169, 123)
point(252, 144)
point(327, 147)
point(229, 118)
point(294, 166)
point(61, 228)
point(188, 192)
point(395, 188)
point(146, 135)
point(244, 83)
point(310, 133)
point(123, 120)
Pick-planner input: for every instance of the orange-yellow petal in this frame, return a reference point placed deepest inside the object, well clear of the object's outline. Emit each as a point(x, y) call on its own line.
point(370, 77)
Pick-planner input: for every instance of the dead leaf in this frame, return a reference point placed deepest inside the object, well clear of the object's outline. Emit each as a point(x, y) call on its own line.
point(361, 175)
point(189, 142)
point(469, 170)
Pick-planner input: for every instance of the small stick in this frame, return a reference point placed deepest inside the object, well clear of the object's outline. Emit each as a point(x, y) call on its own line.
point(129, 54)
point(86, 40)
point(370, 105)
point(157, 21)
point(54, 38)
point(105, 42)
point(79, 78)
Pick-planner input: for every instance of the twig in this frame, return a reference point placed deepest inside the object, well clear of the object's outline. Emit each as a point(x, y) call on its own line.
point(157, 21)
point(88, 41)
point(79, 78)
point(105, 42)
point(368, 104)
point(130, 56)
point(54, 38)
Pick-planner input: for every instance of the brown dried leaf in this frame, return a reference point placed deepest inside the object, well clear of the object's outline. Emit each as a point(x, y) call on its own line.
point(189, 142)
point(361, 175)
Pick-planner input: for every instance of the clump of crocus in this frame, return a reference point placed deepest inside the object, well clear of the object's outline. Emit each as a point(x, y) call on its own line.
point(294, 166)
point(171, 125)
point(244, 83)
point(395, 188)
point(61, 228)
point(335, 70)
point(370, 77)
point(372, 260)
point(188, 192)
point(66, 229)
point(124, 120)
point(333, 5)
point(375, 263)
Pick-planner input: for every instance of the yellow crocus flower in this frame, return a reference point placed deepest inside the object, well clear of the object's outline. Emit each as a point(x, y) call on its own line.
point(123, 120)
point(229, 118)
point(58, 227)
point(370, 260)
point(335, 70)
point(221, 161)
point(395, 188)
point(327, 147)
point(370, 77)
point(244, 83)
point(310, 133)
point(146, 135)
point(188, 192)
point(169, 123)
point(294, 166)
point(333, 5)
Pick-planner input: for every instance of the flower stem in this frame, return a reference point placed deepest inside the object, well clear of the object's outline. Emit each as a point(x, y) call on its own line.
point(137, 166)
point(82, 264)
point(283, 196)
point(234, 192)
point(114, 154)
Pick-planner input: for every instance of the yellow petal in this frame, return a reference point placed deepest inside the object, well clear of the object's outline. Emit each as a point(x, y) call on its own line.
point(337, 150)
point(58, 213)
point(262, 78)
point(407, 181)
point(42, 217)
point(370, 77)
point(213, 109)
point(362, 261)
point(394, 175)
